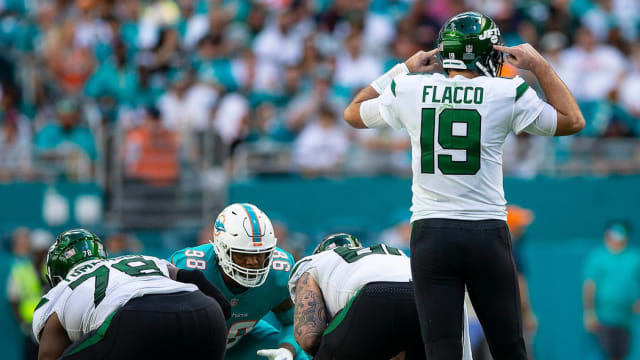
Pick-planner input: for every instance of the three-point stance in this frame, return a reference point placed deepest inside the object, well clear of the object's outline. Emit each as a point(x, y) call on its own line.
point(126, 307)
point(365, 295)
point(458, 124)
point(244, 262)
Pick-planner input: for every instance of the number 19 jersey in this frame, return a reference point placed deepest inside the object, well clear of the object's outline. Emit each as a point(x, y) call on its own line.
point(457, 128)
point(95, 289)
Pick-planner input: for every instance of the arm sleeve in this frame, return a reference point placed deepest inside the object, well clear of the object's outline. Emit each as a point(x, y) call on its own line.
point(370, 114)
point(545, 124)
point(527, 106)
point(197, 278)
point(388, 106)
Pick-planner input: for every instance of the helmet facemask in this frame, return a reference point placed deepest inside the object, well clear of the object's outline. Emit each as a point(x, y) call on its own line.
point(244, 276)
point(490, 65)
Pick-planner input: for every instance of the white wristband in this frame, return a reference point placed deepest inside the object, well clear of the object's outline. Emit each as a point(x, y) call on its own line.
point(383, 81)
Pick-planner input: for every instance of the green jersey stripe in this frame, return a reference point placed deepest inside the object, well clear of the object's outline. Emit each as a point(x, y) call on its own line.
point(521, 89)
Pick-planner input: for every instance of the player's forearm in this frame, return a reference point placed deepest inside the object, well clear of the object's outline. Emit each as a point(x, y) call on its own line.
point(570, 118)
point(588, 295)
point(352, 112)
point(310, 319)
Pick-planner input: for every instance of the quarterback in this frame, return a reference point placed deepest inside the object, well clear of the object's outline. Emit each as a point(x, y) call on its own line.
point(126, 307)
point(252, 273)
point(367, 297)
point(458, 122)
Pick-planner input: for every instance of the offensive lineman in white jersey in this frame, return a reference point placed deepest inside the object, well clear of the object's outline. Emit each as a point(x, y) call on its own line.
point(458, 124)
point(366, 296)
point(126, 307)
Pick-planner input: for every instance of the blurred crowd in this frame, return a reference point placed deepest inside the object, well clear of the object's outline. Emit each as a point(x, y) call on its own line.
point(154, 83)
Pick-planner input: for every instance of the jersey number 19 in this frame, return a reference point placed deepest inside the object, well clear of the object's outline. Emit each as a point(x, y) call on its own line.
point(465, 136)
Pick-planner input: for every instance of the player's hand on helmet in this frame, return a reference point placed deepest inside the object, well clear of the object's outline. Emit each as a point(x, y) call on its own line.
point(523, 56)
point(276, 354)
point(424, 62)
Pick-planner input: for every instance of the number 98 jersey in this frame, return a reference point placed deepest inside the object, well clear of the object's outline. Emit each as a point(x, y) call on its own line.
point(247, 307)
point(94, 289)
point(457, 128)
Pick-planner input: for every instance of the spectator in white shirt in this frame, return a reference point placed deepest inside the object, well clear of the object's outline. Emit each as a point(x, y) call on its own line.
point(591, 70)
point(321, 147)
point(630, 87)
point(354, 69)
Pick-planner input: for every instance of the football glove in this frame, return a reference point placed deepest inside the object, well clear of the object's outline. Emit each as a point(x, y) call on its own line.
point(276, 354)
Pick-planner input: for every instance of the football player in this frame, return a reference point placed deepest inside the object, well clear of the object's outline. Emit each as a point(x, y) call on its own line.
point(126, 307)
point(458, 123)
point(366, 297)
point(244, 262)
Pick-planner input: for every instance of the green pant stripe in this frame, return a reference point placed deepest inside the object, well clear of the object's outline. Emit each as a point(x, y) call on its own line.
point(338, 319)
point(95, 338)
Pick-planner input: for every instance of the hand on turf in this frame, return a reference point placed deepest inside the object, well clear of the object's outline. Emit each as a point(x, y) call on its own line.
point(276, 354)
point(523, 56)
point(424, 62)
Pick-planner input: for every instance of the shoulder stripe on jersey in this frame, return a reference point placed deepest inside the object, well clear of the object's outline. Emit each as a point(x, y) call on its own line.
point(43, 301)
point(255, 224)
point(520, 90)
point(296, 266)
point(393, 87)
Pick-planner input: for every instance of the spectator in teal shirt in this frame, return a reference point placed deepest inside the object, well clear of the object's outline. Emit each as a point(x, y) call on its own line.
point(67, 143)
point(610, 291)
point(115, 82)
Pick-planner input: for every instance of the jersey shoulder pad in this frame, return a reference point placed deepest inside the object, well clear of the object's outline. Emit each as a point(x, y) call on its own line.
point(198, 257)
point(405, 82)
point(521, 87)
point(301, 267)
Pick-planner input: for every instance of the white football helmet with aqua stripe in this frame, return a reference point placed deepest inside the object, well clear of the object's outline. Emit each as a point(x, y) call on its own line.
point(243, 228)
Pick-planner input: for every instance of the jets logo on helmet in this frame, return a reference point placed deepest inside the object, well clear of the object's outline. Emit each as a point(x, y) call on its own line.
point(491, 34)
point(244, 229)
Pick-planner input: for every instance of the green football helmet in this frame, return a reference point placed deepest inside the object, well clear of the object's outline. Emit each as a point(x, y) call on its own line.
point(71, 248)
point(466, 43)
point(336, 240)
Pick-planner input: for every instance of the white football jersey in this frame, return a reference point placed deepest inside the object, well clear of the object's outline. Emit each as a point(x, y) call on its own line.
point(342, 271)
point(94, 289)
point(457, 128)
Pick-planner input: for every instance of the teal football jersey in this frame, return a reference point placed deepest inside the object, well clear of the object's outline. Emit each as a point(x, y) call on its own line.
point(248, 307)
